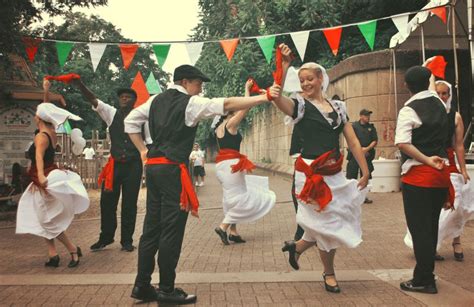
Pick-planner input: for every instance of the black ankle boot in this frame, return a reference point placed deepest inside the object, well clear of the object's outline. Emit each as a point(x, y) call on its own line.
point(74, 263)
point(53, 262)
point(290, 247)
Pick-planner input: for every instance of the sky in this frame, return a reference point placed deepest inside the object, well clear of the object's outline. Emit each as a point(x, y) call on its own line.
point(152, 20)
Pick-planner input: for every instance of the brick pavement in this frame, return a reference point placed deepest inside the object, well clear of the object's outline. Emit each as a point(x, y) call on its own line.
point(383, 230)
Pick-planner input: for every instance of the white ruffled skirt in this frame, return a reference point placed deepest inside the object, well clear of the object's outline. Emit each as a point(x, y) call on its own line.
point(48, 215)
point(339, 224)
point(246, 198)
point(451, 222)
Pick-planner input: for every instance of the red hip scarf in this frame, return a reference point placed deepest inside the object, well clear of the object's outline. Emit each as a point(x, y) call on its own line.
point(107, 175)
point(188, 198)
point(33, 172)
point(243, 164)
point(428, 177)
point(315, 190)
point(452, 162)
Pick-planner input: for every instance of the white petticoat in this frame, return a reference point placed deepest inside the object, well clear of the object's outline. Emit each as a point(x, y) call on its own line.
point(340, 221)
point(48, 215)
point(451, 222)
point(245, 198)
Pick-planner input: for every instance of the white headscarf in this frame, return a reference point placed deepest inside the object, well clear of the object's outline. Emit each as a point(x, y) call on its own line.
point(50, 113)
point(448, 103)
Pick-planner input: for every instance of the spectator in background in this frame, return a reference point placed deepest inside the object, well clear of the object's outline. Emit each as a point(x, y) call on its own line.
point(198, 159)
point(88, 153)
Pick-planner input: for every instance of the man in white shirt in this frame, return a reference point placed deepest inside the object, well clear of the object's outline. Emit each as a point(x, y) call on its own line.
point(198, 160)
point(88, 153)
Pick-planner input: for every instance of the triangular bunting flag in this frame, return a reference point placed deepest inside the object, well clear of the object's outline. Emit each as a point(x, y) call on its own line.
point(440, 12)
point(229, 46)
point(31, 45)
point(161, 52)
point(301, 40)
point(333, 36)
point(67, 127)
point(128, 52)
point(96, 51)
point(194, 51)
point(152, 85)
point(401, 22)
point(139, 86)
point(63, 49)
point(267, 43)
point(368, 31)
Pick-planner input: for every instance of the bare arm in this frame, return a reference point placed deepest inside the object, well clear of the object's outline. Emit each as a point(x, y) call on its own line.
point(459, 146)
point(46, 87)
point(234, 122)
point(285, 104)
point(90, 96)
point(413, 152)
point(356, 150)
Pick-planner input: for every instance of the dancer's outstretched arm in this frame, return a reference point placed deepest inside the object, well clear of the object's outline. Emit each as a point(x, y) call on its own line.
point(234, 122)
point(285, 104)
point(90, 96)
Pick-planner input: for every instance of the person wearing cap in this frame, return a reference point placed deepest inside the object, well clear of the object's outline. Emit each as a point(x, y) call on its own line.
point(367, 135)
point(173, 119)
point(123, 172)
point(421, 135)
point(54, 196)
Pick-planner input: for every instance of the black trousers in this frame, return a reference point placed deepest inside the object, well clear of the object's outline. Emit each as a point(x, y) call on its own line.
point(127, 179)
point(299, 231)
point(163, 227)
point(353, 169)
point(422, 210)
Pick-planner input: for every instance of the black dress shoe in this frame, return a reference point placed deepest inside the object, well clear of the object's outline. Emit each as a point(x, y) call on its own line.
point(290, 247)
point(128, 247)
point(178, 297)
point(236, 239)
point(223, 235)
point(329, 288)
point(438, 257)
point(74, 263)
point(458, 256)
point(99, 245)
point(146, 293)
point(409, 286)
point(52, 262)
point(368, 201)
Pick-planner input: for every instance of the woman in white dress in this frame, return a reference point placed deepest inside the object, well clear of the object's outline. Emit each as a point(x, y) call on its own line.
point(246, 198)
point(329, 205)
point(48, 205)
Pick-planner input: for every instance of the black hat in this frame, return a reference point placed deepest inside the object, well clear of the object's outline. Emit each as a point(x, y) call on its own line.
point(189, 72)
point(365, 112)
point(125, 90)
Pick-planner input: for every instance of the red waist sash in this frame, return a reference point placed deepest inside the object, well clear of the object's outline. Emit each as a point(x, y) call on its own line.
point(452, 162)
point(243, 164)
point(33, 172)
point(428, 177)
point(315, 190)
point(107, 175)
point(188, 198)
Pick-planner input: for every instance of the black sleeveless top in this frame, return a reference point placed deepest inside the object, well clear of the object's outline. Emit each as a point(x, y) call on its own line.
point(230, 141)
point(48, 154)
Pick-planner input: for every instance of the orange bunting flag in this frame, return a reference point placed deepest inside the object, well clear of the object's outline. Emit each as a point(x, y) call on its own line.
point(333, 36)
point(139, 86)
point(229, 46)
point(440, 12)
point(31, 45)
point(437, 66)
point(128, 52)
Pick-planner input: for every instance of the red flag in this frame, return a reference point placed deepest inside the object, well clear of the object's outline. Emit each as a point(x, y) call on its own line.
point(63, 78)
point(229, 46)
point(128, 52)
point(440, 12)
point(437, 66)
point(140, 87)
point(333, 36)
point(31, 45)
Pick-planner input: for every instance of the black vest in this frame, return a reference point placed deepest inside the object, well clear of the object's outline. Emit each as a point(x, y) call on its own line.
point(431, 137)
point(171, 137)
point(122, 149)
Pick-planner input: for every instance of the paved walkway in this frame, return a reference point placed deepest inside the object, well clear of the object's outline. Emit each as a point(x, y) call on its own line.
point(254, 273)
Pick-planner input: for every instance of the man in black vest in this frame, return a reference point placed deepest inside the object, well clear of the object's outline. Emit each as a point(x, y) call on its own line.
point(123, 172)
point(422, 131)
point(173, 118)
point(367, 135)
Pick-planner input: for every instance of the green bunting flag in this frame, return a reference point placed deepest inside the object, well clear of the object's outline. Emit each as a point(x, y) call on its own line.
point(267, 43)
point(63, 49)
point(368, 31)
point(152, 85)
point(161, 52)
point(67, 127)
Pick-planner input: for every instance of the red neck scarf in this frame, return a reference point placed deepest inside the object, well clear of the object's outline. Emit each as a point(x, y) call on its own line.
point(315, 190)
point(107, 175)
point(188, 198)
point(243, 164)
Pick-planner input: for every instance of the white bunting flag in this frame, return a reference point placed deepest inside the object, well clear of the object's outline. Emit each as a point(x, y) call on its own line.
point(401, 22)
point(301, 40)
point(194, 51)
point(96, 51)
